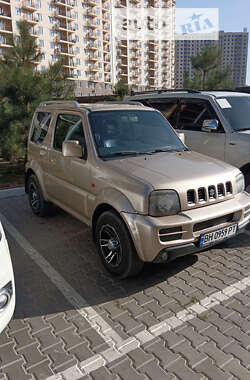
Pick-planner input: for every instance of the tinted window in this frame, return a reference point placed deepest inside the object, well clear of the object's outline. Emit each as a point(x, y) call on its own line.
point(68, 127)
point(167, 107)
point(132, 131)
point(192, 115)
point(40, 126)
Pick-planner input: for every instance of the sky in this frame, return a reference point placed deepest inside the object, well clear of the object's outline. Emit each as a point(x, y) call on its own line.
point(234, 15)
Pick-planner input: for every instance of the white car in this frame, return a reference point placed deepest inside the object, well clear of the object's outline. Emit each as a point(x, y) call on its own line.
point(7, 285)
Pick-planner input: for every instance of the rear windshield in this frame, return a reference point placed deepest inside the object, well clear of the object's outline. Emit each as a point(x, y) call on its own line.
point(132, 132)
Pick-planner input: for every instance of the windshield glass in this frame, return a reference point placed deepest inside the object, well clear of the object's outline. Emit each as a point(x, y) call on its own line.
point(236, 109)
point(127, 132)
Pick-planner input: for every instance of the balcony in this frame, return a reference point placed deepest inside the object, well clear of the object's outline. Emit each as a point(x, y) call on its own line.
point(5, 2)
point(93, 58)
point(93, 68)
point(92, 3)
point(29, 5)
point(64, 27)
point(5, 29)
point(92, 35)
point(65, 15)
point(33, 20)
point(5, 15)
point(91, 12)
point(92, 47)
point(63, 3)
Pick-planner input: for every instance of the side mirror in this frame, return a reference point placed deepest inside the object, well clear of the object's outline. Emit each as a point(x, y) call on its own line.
point(210, 125)
point(72, 148)
point(181, 137)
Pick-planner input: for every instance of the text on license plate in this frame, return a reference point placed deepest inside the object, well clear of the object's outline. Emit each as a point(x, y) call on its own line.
point(217, 235)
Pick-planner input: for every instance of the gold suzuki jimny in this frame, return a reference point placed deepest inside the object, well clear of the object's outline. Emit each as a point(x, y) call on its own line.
point(124, 171)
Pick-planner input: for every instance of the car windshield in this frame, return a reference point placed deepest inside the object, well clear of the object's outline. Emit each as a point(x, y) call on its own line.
point(125, 132)
point(236, 109)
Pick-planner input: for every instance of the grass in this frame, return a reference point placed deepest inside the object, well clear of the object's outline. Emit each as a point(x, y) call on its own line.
point(11, 175)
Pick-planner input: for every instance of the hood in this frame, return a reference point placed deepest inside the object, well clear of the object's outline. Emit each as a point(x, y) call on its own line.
point(175, 170)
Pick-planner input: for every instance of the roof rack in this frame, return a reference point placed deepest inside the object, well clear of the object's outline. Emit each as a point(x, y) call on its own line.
point(71, 103)
point(189, 90)
point(120, 102)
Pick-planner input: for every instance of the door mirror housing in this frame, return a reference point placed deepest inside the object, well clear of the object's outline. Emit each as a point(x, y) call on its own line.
point(210, 125)
point(181, 137)
point(72, 148)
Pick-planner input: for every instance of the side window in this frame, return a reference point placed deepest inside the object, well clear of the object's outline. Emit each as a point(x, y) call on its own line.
point(40, 126)
point(192, 115)
point(68, 127)
point(168, 108)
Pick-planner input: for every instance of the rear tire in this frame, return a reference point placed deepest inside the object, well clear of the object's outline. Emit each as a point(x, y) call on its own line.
point(38, 204)
point(116, 247)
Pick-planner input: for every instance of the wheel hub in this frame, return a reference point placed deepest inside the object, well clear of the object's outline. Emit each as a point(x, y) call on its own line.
point(110, 245)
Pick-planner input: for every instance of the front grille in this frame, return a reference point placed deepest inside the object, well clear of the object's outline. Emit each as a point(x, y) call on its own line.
point(202, 194)
point(170, 234)
point(190, 197)
point(214, 222)
point(209, 194)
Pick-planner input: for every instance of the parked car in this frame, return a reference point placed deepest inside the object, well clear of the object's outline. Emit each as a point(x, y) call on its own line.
point(123, 170)
point(215, 123)
point(7, 285)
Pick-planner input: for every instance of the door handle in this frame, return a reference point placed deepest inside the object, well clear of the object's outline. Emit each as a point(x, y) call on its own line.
point(42, 152)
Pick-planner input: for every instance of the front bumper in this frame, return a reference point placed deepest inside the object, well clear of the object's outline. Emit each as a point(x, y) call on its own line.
point(6, 278)
point(182, 232)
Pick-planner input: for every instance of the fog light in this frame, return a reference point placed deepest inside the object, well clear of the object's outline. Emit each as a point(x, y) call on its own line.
point(162, 257)
point(4, 300)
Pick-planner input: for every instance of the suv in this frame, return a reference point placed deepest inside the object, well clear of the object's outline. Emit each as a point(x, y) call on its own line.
point(123, 170)
point(215, 123)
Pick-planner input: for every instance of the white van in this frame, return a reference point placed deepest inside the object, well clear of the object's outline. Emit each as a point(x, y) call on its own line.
point(7, 285)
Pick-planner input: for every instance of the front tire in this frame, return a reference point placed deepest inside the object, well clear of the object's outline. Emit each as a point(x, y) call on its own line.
point(38, 204)
point(115, 246)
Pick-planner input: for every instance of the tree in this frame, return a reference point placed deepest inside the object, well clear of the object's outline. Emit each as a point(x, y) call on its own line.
point(22, 88)
point(207, 71)
point(121, 89)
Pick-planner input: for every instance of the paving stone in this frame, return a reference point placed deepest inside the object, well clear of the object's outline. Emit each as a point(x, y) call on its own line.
point(211, 371)
point(139, 357)
point(41, 371)
point(163, 354)
point(58, 356)
point(81, 323)
point(222, 324)
point(153, 371)
point(125, 371)
point(16, 325)
point(199, 324)
point(192, 356)
point(23, 338)
point(103, 374)
point(81, 352)
point(94, 339)
point(239, 352)
point(147, 319)
point(220, 339)
point(46, 338)
point(5, 339)
point(235, 368)
point(240, 308)
point(128, 323)
point(238, 320)
point(32, 355)
point(8, 355)
point(134, 309)
point(114, 308)
point(161, 298)
point(59, 324)
point(157, 310)
point(70, 338)
point(182, 371)
point(223, 311)
point(142, 298)
point(241, 337)
point(37, 324)
point(190, 333)
point(218, 356)
point(172, 339)
point(16, 371)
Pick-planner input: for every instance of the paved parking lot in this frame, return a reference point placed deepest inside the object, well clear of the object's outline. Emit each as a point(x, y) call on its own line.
point(186, 320)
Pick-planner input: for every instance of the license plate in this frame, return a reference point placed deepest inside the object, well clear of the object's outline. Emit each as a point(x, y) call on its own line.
point(214, 236)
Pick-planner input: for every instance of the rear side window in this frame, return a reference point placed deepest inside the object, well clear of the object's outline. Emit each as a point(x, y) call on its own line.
point(168, 108)
point(40, 126)
point(68, 127)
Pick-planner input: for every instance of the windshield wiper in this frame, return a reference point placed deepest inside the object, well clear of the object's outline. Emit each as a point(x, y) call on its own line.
point(125, 153)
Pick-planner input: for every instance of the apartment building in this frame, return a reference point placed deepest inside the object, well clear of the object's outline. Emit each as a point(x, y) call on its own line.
point(81, 32)
point(234, 48)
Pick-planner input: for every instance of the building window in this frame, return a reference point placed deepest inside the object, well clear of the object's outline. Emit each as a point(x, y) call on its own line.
point(18, 11)
point(41, 43)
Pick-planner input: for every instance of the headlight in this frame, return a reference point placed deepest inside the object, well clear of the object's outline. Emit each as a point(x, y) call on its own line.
point(163, 203)
point(240, 183)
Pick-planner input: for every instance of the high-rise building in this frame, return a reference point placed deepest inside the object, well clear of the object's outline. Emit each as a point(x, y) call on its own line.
point(81, 32)
point(234, 48)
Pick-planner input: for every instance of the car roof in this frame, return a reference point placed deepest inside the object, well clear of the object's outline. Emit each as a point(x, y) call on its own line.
point(91, 107)
point(184, 93)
